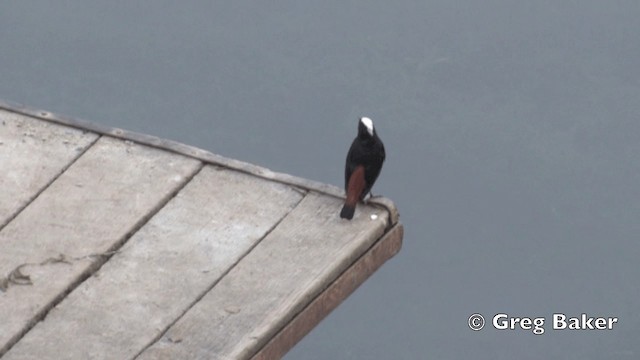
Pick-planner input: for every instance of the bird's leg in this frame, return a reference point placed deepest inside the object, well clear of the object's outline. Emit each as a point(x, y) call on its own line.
point(370, 197)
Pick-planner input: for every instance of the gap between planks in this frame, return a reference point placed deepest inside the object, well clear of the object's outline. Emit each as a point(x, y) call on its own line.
point(204, 293)
point(46, 186)
point(333, 295)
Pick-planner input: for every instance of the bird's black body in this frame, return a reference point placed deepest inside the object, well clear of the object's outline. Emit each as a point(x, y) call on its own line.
point(366, 151)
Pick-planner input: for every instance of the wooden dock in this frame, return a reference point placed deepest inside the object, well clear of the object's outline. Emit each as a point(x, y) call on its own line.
point(117, 245)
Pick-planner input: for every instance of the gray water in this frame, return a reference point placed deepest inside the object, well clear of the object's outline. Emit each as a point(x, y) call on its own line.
point(512, 131)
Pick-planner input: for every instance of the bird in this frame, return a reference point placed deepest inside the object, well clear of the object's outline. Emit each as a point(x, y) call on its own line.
point(363, 165)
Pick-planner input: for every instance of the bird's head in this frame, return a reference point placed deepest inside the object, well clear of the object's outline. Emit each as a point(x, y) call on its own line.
point(365, 128)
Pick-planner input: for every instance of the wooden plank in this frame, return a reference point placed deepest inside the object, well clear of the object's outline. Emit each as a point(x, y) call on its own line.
point(307, 251)
point(199, 154)
point(91, 208)
point(338, 291)
point(163, 269)
point(32, 154)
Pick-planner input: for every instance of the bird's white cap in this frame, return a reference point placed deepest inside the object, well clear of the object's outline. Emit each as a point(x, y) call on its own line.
point(368, 123)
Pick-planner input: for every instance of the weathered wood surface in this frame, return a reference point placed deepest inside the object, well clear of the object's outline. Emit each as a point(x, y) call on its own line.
point(330, 298)
point(202, 256)
point(32, 154)
point(163, 269)
point(91, 208)
point(286, 270)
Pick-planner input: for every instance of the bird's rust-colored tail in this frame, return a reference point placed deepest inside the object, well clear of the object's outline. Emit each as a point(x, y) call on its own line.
point(354, 192)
